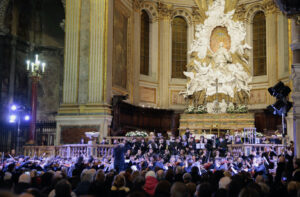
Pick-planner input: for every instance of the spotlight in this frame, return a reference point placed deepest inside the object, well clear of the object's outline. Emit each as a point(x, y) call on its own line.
point(275, 89)
point(27, 117)
point(13, 108)
point(12, 118)
point(284, 92)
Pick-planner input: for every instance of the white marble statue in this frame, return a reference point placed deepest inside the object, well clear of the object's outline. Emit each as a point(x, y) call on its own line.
point(222, 74)
point(221, 57)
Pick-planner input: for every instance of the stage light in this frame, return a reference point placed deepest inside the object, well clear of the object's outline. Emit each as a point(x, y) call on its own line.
point(27, 117)
point(284, 92)
point(13, 108)
point(275, 89)
point(12, 118)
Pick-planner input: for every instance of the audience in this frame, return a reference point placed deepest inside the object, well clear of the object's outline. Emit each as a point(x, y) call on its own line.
point(157, 168)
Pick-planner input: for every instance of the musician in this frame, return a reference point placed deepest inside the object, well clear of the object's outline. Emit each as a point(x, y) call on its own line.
point(268, 156)
point(258, 165)
point(222, 146)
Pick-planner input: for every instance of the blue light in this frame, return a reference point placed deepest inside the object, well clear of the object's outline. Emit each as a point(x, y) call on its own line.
point(27, 117)
point(12, 118)
point(14, 107)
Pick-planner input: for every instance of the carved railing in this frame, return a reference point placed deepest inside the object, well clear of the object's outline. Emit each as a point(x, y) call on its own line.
point(235, 149)
point(70, 150)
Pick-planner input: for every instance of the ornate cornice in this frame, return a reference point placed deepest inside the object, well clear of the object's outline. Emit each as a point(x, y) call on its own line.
point(3, 8)
point(164, 10)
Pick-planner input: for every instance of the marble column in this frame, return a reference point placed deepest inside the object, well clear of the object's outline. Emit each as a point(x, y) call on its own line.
point(295, 46)
point(164, 55)
point(72, 35)
point(85, 94)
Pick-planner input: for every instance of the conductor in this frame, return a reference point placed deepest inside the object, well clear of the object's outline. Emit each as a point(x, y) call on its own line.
point(118, 154)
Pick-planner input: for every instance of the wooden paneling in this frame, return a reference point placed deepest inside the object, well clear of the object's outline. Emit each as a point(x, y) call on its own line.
point(265, 121)
point(127, 117)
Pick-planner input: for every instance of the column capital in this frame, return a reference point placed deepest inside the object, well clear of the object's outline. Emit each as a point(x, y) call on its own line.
point(136, 5)
point(164, 11)
point(270, 7)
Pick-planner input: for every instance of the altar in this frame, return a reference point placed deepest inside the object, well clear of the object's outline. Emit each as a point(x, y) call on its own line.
point(218, 87)
point(209, 122)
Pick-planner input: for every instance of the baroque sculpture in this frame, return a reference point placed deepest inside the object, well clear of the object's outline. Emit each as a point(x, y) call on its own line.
point(218, 73)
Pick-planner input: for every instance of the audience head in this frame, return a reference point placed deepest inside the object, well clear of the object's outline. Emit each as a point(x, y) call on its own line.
point(224, 182)
point(204, 190)
point(25, 178)
point(160, 175)
point(119, 181)
point(63, 188)
point(150, 174)
point(179, 189)
point(162, 189)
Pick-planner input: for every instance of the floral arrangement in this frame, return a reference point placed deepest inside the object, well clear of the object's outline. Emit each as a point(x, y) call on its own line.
point(190, 109)
point(201, 109)
point(137, 134)
point(238, 109)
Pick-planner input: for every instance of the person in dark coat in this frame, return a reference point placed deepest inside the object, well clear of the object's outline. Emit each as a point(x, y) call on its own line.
point(119, 160)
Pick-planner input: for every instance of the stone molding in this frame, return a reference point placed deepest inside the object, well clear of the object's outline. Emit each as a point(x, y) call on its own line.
point(151, 9)
point(184, 13)
point(252, 10)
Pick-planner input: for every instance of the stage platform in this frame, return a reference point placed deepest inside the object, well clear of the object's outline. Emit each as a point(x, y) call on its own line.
point(205, 122)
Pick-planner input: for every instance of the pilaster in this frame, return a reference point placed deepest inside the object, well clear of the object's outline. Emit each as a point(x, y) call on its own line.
point(271, 13)
point(164, 54)
point(136, 51)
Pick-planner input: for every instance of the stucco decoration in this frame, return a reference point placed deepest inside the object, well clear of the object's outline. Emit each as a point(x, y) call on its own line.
point(222, 72)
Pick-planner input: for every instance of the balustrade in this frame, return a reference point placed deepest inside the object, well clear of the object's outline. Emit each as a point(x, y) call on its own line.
point(70, 150)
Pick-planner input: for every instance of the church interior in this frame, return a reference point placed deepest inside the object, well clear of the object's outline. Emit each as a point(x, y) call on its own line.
point(153, 87)
point(159, 66)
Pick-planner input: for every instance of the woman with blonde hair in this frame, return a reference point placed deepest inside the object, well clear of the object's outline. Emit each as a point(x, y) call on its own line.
point(119, 188)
